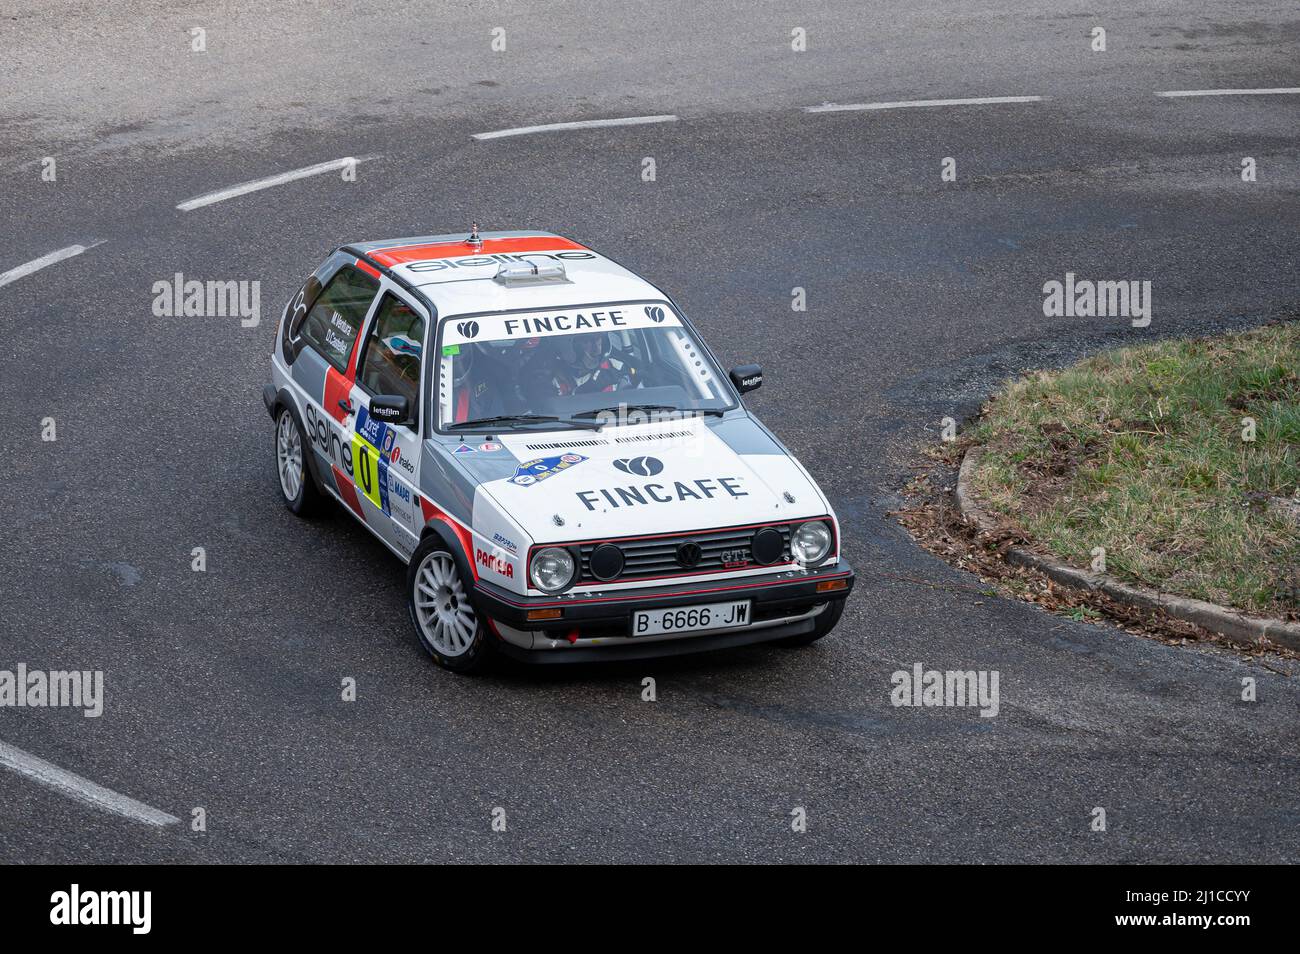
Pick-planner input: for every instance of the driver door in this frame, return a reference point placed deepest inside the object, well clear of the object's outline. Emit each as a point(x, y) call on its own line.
point(386, 456)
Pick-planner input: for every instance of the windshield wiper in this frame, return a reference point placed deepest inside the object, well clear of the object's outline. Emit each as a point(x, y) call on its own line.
point(521, 419)
point(651, 409)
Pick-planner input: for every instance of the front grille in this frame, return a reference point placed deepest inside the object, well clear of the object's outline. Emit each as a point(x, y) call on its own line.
point(646, 557)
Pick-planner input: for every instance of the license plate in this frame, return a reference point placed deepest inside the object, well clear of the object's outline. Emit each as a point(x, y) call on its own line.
point(685, 619)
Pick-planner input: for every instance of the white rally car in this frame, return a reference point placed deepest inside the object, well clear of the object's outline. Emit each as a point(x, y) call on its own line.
point(545, 440)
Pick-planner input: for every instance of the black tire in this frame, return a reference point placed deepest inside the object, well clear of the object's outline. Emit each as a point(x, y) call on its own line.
point(307, 500)
point(826, 621)
point(441, 631)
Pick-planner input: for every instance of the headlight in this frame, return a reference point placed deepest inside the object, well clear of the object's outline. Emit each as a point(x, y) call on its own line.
point(811, 542)
point(552, 569)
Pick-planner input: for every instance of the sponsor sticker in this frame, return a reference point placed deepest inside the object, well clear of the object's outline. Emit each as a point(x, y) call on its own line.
point(383, 487)
point(372, 430)
point(579, 320)
point(496, 563)
point(463, 449)
point(541, 468)
point(489, 447)
point(403, 503)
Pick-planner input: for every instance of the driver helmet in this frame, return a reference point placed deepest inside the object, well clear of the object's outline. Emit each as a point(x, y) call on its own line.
point(589, 349)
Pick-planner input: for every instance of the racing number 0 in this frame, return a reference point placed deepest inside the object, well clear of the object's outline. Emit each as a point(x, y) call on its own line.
point(366, 464)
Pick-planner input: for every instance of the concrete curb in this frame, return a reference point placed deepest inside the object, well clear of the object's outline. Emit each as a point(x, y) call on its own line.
point(1236, 626)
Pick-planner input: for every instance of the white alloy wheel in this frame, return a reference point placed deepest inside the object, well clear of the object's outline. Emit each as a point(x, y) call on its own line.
point(288, 456)
point(442, 608)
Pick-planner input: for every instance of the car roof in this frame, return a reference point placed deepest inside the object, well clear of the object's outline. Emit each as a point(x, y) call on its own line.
point(459, 278)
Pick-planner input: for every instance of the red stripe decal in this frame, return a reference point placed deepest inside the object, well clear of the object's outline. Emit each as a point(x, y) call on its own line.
point(367, 267)
point(423, 253)
point(337, 388)
point(348, 492)
point(431, 511)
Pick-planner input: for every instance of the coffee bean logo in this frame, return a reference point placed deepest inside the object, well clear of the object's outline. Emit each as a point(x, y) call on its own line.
point(640, 466)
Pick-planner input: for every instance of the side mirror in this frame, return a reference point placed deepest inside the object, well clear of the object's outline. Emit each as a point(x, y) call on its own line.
point(390, 408)
point(746, 377)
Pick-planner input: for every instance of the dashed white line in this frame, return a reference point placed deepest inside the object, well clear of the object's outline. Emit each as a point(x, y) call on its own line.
point(580, 124)
point(36, 264)
point(80, 789)
point(257, 185)
point(1273, 91)
point(910, 103)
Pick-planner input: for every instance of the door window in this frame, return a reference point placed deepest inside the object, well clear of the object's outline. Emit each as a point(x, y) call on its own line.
point(390, 363)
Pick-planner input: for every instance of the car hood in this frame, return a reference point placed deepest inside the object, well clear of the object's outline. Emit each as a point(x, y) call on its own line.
point(672, 476)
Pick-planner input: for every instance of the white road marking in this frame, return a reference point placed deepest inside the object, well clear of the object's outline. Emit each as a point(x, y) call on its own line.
point(1230, 92)
point(581, 124)
point(36, 264)
point(909, 103)
point(198, 202)
point(83, 790)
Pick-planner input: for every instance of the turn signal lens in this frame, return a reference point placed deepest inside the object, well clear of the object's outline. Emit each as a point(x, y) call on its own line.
point(826, 586)
point(544, 614)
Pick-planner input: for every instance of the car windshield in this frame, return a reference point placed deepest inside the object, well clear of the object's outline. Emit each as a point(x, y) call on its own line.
point(568, 367)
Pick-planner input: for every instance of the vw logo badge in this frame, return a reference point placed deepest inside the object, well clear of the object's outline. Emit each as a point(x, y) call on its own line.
point(688, 554)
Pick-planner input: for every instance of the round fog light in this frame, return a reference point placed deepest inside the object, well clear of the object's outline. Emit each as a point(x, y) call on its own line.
point(811, 542)
point(552, 569)
point(767, 545)
point(606, 562)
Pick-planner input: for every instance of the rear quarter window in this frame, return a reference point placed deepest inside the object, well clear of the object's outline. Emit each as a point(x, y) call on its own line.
point(332, 324)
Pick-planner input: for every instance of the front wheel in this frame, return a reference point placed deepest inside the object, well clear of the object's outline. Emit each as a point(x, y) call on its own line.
point(445, 621)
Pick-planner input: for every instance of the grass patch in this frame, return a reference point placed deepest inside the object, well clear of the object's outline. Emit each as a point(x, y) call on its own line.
point(1141, 451)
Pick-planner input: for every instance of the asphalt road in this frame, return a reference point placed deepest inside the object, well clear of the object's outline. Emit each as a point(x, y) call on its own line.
point(223, 687)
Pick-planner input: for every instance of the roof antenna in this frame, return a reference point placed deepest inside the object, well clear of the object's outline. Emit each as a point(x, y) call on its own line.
point(474, 241)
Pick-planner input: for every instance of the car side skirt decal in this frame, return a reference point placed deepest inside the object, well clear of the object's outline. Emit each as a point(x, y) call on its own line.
point(348, 493)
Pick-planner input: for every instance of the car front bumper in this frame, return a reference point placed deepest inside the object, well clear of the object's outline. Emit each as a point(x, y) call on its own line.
point(596, 625)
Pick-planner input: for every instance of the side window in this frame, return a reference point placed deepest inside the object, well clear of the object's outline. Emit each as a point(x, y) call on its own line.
point(390, 363)
point(334, 321)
